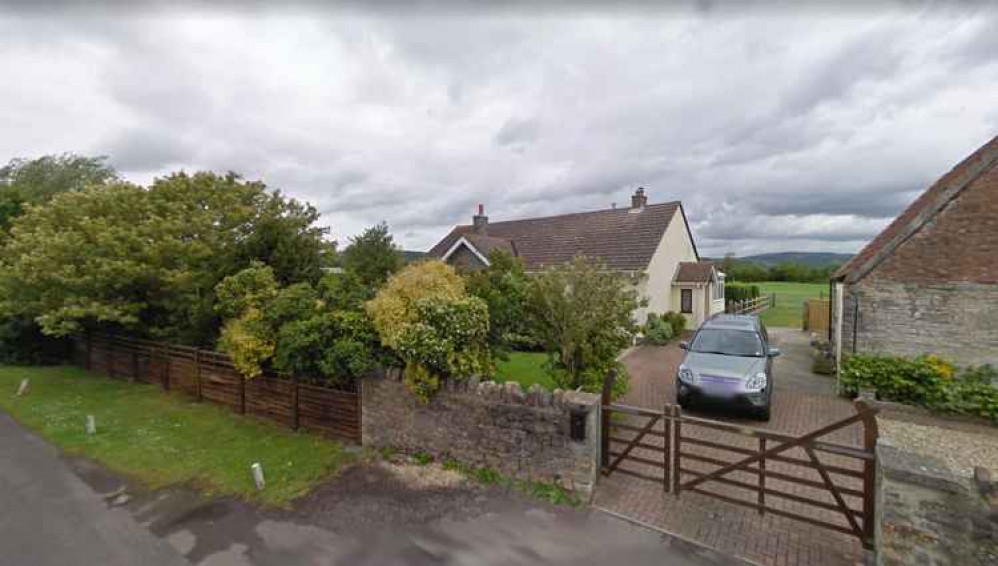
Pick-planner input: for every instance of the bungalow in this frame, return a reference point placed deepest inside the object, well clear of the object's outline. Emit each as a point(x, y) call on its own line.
point(650, 241)
point(928, 284)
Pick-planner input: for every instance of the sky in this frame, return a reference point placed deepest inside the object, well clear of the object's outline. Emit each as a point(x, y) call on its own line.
point(778, 129)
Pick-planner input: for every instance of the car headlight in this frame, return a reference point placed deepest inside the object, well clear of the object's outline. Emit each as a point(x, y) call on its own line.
point(687, 376)
point(757, 382)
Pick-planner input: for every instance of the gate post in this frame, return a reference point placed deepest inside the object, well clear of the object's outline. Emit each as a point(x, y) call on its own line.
point(605, 401)
point(667, 414)
point(677, 448)
point(870, 433)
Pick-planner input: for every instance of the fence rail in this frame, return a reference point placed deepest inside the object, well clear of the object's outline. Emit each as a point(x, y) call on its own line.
point(331, 409)
point(751, 306)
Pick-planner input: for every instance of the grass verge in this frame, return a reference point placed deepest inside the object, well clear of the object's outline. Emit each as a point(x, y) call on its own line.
point(163, 439)
point(525, 368)
point(790, 299)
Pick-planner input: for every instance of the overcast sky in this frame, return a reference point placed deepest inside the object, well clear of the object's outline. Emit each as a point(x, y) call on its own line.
point(778, 131)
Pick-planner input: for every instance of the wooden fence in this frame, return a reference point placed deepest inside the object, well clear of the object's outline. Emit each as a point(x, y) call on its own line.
point(816, 315)
point(331, 409)
point(770, 472)
point(751, 306)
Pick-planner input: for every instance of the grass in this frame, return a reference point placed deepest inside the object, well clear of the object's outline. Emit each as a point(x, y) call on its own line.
point(525, 368)
point(790, 299)
point(164, 439)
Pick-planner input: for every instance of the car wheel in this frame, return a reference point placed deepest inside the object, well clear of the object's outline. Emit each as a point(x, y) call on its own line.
point(763, 414)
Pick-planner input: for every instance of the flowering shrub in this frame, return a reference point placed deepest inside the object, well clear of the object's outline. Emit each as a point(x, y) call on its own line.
point(927, 381)
point(425, 317)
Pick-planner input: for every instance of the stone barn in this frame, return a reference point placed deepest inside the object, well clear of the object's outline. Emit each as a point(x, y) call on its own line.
point(928, 284)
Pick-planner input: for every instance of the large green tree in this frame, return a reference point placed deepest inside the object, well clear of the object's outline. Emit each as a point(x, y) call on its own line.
point(148, 260)
point(34, 181)
point(503, 287)
point(372, 256)
point(583, 312)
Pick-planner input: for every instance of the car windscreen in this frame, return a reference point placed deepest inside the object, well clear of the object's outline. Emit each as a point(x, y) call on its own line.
point(727, 342)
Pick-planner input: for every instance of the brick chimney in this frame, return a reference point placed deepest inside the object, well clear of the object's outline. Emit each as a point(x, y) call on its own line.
point(480, 222)
point(638, 199)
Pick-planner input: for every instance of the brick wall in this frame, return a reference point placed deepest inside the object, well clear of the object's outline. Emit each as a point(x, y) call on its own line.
point(524, 435)
point(958, 321)
point(927, 515)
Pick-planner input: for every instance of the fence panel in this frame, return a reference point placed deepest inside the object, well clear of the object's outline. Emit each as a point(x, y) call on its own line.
point(333, 410)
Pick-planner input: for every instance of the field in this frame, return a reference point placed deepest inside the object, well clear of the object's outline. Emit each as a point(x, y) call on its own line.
point(790, 299)
point(525, 368)
point(164, 439)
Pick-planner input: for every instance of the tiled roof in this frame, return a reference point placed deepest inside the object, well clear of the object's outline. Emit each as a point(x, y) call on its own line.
point(485, 244)
point(694, 271)
point(624, 238)
point(920, 211)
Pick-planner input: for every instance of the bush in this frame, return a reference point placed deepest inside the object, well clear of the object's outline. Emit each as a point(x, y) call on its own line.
point(657, 330)
point(423, 314)
point(740, 292)
point(394, 307)
point(677, 321)
point(584, 314)
point(926, 381)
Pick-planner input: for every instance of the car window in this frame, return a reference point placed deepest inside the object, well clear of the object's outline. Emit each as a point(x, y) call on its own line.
point(728, 342)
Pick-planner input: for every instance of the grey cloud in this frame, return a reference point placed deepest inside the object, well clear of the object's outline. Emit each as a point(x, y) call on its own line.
point(517, 133)
point(769, 138)
point(148, 150)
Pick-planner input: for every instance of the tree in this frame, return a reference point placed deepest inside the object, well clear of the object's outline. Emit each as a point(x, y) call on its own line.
point(394, 306)
point(425, 316)
point(503, 287)
point(372, 256)
point(584, 314)
point(291, 328)
point(148, 261)
point(34, 181)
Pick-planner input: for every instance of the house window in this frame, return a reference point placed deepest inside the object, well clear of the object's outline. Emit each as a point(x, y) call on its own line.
point(686, 301)
point(718, 290)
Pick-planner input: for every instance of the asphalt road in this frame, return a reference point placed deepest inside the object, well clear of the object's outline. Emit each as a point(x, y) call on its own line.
point(49, 517)
point(52, 513)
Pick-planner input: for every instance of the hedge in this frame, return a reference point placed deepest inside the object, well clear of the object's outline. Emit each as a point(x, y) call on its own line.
point(926, 381)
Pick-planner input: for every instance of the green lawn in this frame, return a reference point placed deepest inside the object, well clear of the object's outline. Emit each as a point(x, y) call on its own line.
point(164, 438)
point(790, 299)
point(525, 368)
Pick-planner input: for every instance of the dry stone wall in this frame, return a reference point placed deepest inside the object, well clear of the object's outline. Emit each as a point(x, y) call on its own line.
point(523, 434)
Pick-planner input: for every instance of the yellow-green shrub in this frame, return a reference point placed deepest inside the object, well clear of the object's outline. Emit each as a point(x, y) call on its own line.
point(395, 304)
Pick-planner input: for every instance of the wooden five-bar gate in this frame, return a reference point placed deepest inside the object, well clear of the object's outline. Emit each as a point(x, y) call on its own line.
point(780, 473)
point(333, 409)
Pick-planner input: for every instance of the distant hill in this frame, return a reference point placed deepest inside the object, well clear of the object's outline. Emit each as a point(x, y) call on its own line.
point(811, 259)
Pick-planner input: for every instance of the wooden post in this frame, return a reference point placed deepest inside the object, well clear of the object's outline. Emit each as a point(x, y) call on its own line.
point(870, 434)
point(197, 372)
point(762, 476)
point(90, 348)
point(294, 402)
point(605, 401)
point(242, 394)
point(135, 364)
point(166, 370)
point(667, 413)
point(677, 448)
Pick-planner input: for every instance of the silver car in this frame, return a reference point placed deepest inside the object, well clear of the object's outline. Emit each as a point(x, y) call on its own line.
point(728, 362)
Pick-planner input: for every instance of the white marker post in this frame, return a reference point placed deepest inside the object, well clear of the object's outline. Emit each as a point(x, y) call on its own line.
point(91, 425)
point(23, 389)
point(258, 475)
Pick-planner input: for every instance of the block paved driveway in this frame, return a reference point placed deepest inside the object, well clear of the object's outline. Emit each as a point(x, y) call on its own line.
point(802, 402)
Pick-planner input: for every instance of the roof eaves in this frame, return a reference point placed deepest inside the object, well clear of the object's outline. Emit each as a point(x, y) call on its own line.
point(852, 275)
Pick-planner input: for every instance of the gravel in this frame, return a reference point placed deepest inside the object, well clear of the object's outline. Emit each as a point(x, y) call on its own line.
point(961, 450)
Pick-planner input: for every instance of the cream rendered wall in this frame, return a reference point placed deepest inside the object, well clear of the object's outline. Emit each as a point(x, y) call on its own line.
point(656, 285)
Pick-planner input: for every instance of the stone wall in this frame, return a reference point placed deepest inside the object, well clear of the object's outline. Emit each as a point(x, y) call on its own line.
point(925, 514)
point(521, 434)
point(954, 320)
